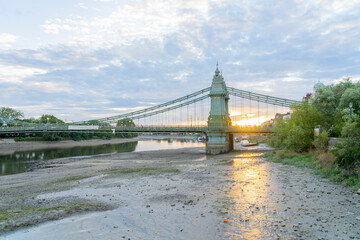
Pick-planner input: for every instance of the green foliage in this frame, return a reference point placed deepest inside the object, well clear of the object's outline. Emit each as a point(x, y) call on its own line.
point(332, 102)
point(292, 158)
point(321, 142)
point(321, 163)
point(126, 122)
point(348, 151)
point(93, 122)
point(52, 136)
point(330, 108)
point(9, 113)
point(296, 133)
point(298, 139)
point(45, 118)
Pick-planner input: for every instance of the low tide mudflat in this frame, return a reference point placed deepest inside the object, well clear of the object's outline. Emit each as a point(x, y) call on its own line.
point(175, 194)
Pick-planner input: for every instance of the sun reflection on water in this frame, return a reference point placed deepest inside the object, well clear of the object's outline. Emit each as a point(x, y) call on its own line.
point(248, 199)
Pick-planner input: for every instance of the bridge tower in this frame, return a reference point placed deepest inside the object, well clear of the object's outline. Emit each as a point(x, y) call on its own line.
point(218, 140)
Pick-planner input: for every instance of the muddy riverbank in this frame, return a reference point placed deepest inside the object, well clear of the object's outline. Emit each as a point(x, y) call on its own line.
point(175, 194)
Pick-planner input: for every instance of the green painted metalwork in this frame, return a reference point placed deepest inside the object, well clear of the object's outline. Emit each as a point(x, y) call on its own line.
point(171, 108)
point(149, 109)
point(219, 141)
point(219, 114)
point(261, 97)
point(218, 87)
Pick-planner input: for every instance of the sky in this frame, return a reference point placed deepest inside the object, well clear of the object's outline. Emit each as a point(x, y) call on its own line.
point(81, 60)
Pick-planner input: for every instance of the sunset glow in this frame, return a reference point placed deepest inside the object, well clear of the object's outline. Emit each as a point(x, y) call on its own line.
point(248, 119)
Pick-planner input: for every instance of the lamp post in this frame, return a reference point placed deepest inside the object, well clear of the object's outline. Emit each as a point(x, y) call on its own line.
point(191, 121)
point(351, 109)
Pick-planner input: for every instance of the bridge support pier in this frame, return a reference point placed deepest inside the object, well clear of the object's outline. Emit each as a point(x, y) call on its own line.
point(219, 142)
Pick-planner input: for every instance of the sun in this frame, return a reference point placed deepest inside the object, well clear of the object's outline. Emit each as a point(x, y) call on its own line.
point(247, 119)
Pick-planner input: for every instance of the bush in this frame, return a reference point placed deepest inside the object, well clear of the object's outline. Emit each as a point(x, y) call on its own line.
point(52, 136)
point(325, 160)
point(321, 142)
point(298, 140)
point(296, 133)
point(348, 152)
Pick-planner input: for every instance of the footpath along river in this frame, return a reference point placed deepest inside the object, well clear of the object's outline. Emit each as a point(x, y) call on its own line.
point(176, 194)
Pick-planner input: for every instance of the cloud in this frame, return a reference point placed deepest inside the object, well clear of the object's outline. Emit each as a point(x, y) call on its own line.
point(48, 86)
point(7, 39)
point(16, 73)
point(115, 56)
point(131, 21)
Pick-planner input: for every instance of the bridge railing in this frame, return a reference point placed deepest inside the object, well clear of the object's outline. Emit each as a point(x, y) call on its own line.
point(119, 129)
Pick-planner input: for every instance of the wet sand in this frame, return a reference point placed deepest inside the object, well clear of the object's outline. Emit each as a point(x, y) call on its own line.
point(176, 194)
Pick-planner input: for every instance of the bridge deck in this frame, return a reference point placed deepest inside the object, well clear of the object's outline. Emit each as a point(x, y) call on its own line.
point(144, 129)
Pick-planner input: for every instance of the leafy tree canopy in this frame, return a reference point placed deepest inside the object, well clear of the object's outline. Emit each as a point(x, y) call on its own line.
point(9, 113)
point(50, 119)
point(332, 102)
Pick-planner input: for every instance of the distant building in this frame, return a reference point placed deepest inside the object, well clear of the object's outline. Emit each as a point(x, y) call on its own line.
point(278, 116)
point(282, 116)
point(318, 85)
point(268, 123)
point(307, 97)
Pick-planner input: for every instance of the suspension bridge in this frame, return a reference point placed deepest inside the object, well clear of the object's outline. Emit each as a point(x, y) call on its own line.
point(207, 111)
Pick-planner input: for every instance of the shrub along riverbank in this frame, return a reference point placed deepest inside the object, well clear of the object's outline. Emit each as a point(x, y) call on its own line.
point(322, 163)
point(335, 110)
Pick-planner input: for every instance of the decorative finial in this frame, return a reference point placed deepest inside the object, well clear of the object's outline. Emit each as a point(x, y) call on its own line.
point(217, 68)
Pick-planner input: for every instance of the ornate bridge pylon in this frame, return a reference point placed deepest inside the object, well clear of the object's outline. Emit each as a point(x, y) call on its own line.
point(219, 141)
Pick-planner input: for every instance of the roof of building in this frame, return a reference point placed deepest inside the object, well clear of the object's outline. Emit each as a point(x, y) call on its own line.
point(318, 85)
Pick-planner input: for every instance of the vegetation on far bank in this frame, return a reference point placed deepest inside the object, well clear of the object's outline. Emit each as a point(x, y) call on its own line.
point(335, 111)
point(11, 117)
point(322, 163)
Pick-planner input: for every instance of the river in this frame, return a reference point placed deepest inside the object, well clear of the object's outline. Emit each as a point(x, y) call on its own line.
point(14, 162)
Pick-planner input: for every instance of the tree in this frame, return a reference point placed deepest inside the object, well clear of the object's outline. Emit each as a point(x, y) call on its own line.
point(9, 113)
point(45, 118)
point(348, 151)
point(332, 102)
point(297, 132)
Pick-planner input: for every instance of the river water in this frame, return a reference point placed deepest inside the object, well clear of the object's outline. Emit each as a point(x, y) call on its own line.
point(21, 161)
